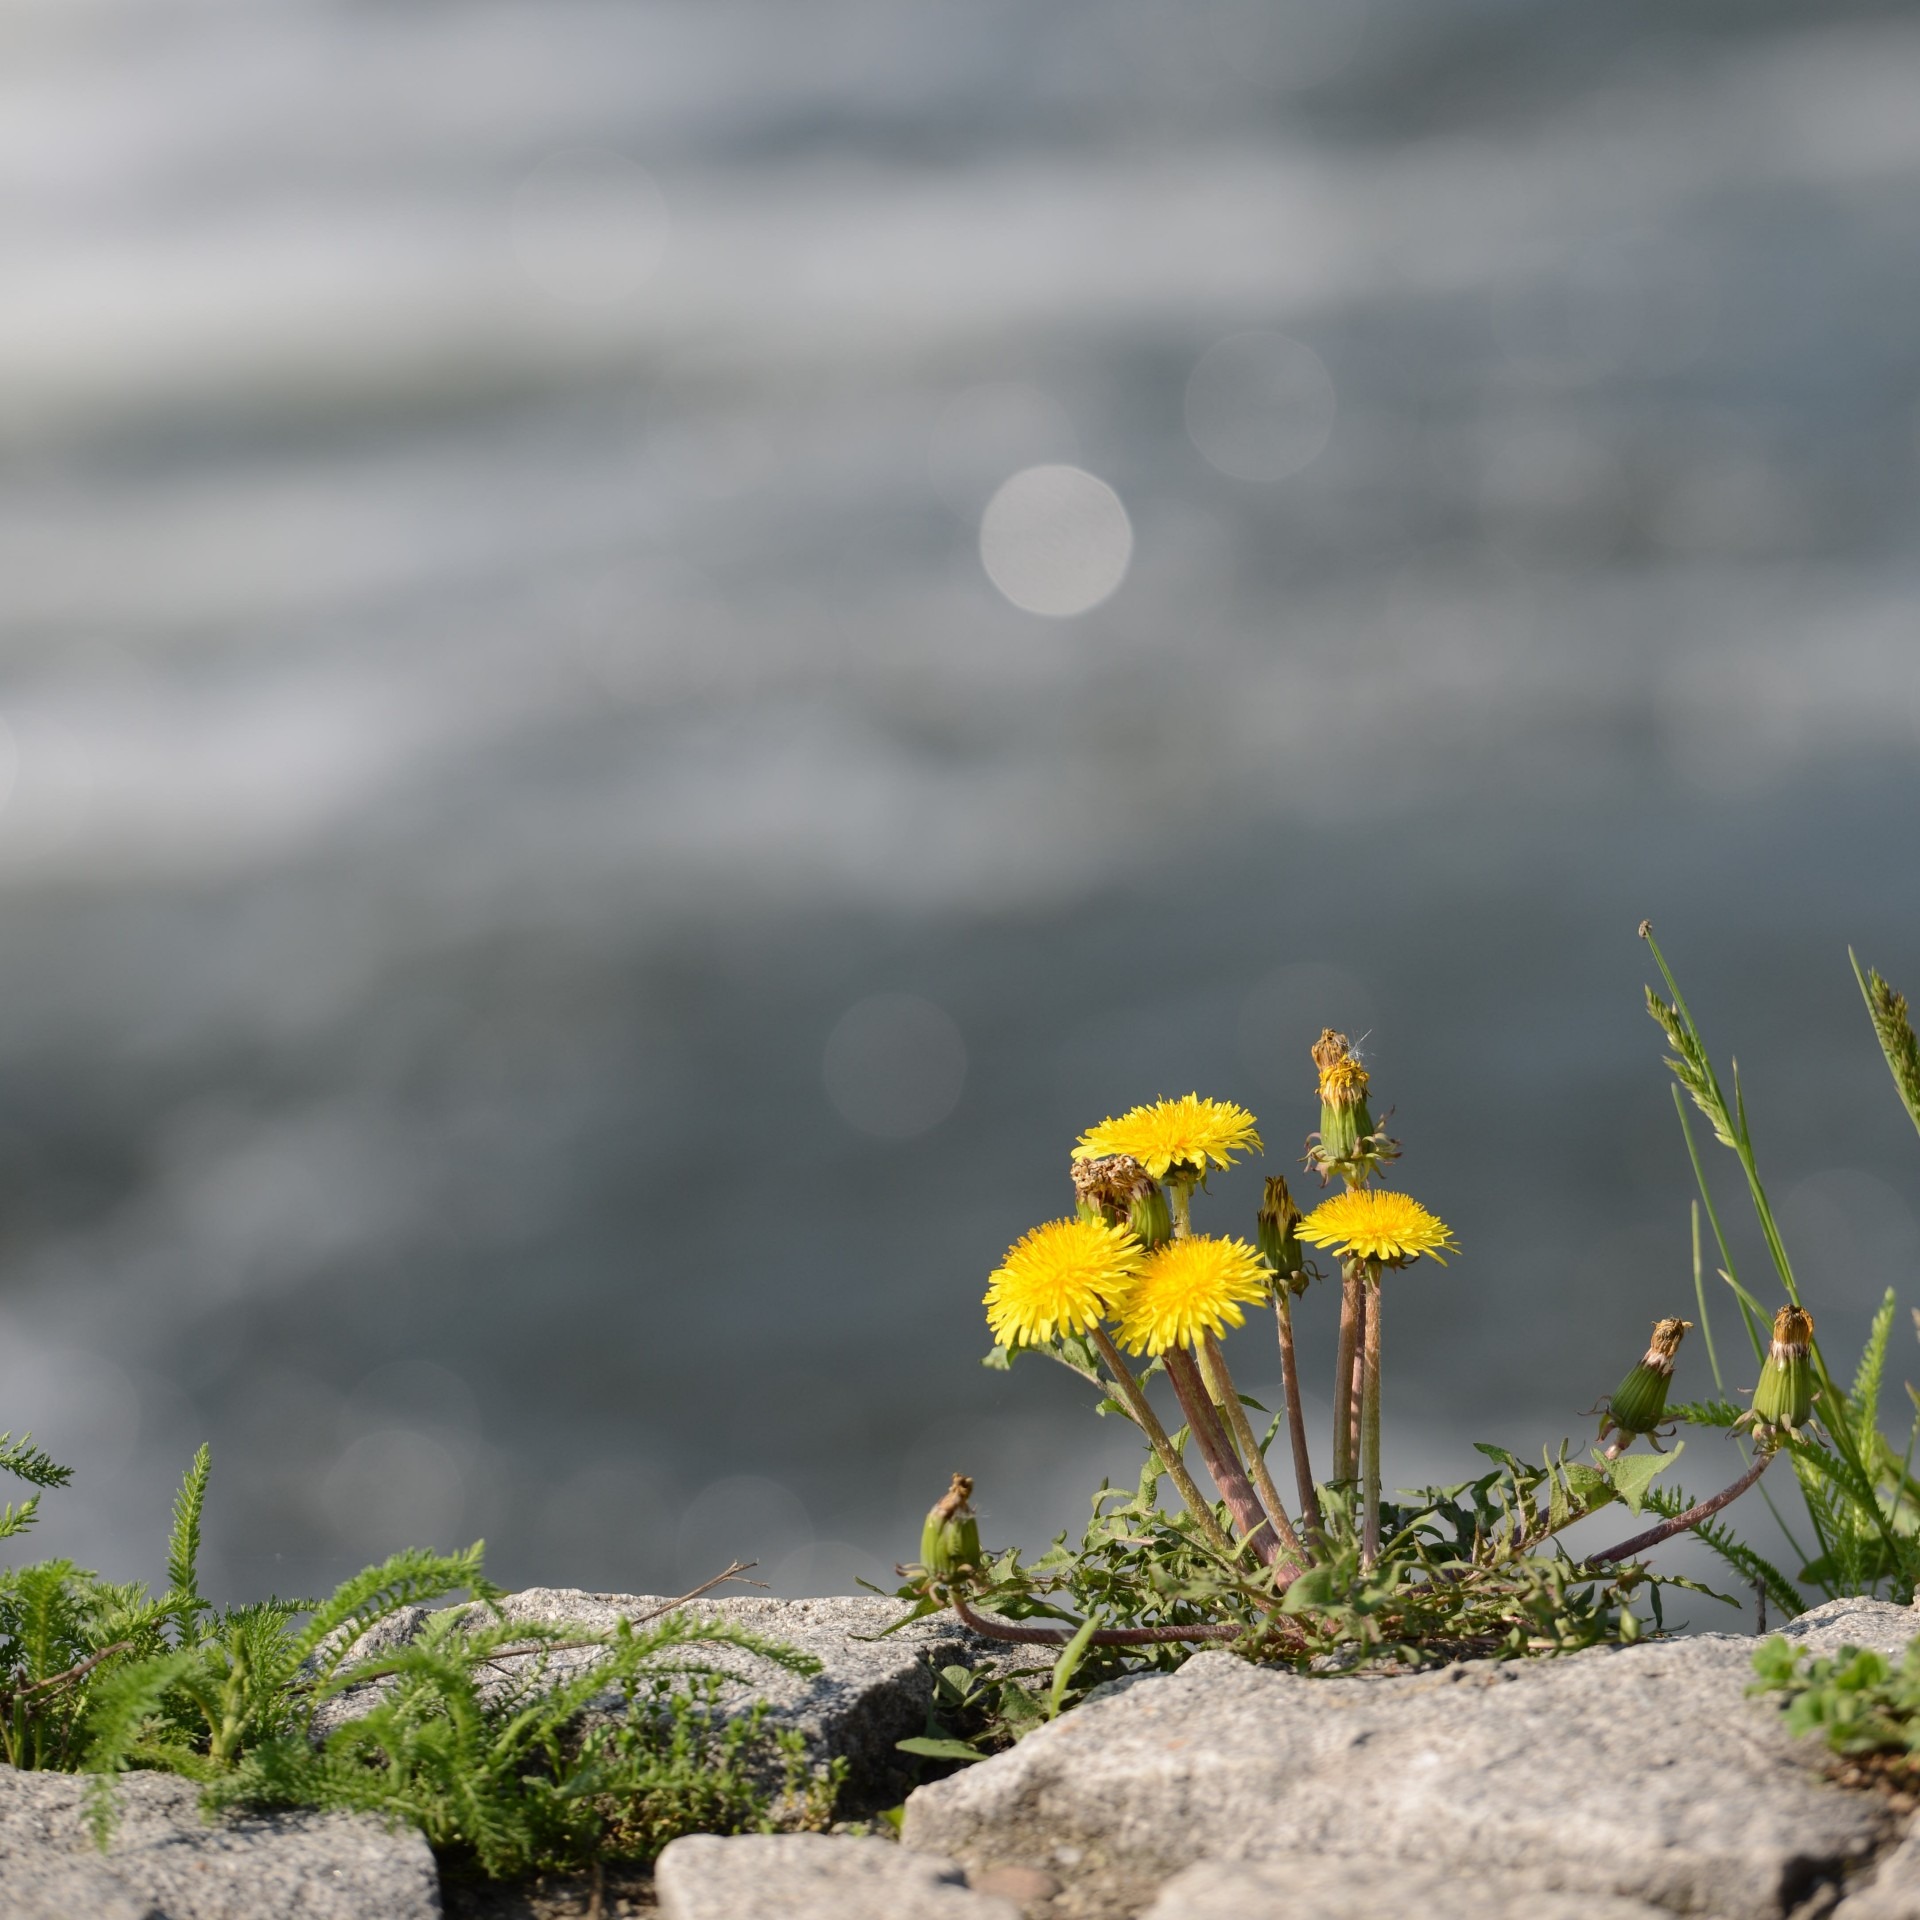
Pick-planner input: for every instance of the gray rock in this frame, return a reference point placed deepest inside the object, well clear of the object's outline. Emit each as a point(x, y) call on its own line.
point(1306, 1886)
point(1893, 1892)
point(1642, 1773)
point(813, 1876)
point(869, 1693)
point(167, 1863)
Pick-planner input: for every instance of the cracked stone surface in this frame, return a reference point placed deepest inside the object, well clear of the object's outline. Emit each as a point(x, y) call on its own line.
point(1641, 1774)
point(869, 1693)
point(812, 1876)
point(167, 1863)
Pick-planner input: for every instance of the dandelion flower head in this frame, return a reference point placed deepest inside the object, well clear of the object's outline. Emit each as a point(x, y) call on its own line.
point(1343, 1080)
point(1190, 1133)
point(1371, 1225)
point(1188, 1289)
point(1060, 1279)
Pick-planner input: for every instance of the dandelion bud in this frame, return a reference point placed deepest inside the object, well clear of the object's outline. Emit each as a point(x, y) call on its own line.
point(1276, 1234)
point(1344, 1118)
point(1783, 1401)
point(1639, 1403)
point(950, 1540)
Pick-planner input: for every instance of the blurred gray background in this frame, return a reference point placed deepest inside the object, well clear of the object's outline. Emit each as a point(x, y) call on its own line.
point(650, 649)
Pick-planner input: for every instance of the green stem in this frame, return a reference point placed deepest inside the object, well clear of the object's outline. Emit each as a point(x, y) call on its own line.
point(1171, 1463)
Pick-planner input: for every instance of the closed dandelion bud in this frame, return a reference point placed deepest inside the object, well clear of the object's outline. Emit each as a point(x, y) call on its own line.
point(1276, 1233)
point(1639, 1403)
point(1783, 1401)
point(950, 1540)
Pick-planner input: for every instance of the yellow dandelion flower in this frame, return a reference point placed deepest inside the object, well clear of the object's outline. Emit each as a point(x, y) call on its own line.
point(1387, 1227)
point(1187, 1289)
point(1190, 1133)
point(1060, 1279)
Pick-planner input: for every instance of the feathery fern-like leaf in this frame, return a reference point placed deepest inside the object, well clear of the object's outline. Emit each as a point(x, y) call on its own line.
point(25, 1461)
point(183, 1543)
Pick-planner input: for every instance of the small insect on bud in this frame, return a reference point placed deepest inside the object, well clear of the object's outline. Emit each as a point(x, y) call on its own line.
point(1117, 1189)
point(1277, 1237)
point(950, 1540)
point(1639, 1403)
point(1783, 1401)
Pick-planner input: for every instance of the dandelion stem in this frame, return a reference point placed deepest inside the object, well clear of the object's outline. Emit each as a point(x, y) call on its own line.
point(1241, 1429)
point(1357, 1399)
point(1296, 1415)
point(1681, 1522)
point(1370, 1430)
point(1242, 1503)
point(1171, 1463)
point(1219, 1385)
point(1343, 1373)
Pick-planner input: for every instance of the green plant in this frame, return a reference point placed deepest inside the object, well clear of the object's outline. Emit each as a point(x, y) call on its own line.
point(1860, 1499)
point(1861, 1702)
point(468, 1732)
point(61, 1628)
point(1346, 1575)
point(471, 1732)
point(478, 1740)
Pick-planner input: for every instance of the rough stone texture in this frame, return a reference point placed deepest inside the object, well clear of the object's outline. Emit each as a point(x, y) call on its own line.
point(869, 1693)
point(1306, 1886)
point(167, 1863)
point(1643, 1773)
point(1893, 1893)
point(811, 1876)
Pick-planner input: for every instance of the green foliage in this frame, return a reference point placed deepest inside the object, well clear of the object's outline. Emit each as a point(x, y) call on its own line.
point(473, 1732)
point(25, 1461)
point(1861, 1502)
point(476, 1738)
point(1891, 1027)
point(1467, 1569)
point(1859, 1700)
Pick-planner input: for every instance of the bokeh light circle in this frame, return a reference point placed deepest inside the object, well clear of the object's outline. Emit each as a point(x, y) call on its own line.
point(894, 1066)
point(1056, 540)
point(1259, 406)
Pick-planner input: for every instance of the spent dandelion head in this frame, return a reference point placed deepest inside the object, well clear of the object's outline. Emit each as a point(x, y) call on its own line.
point(1368, 1224)
point(1179, 1137)
point(1639, 1403)
point(1783, 1401)
point(1188, 1289)
point(1061, 1278)
point(1347, 1142)
point(1117, 1188)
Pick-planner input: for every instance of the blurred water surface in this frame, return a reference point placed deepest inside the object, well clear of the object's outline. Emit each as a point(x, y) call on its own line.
point(646, 650)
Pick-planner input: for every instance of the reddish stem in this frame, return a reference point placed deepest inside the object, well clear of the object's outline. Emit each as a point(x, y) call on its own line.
point(1680, 1522)
point(1248, 1514)
point(1296, 1419)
